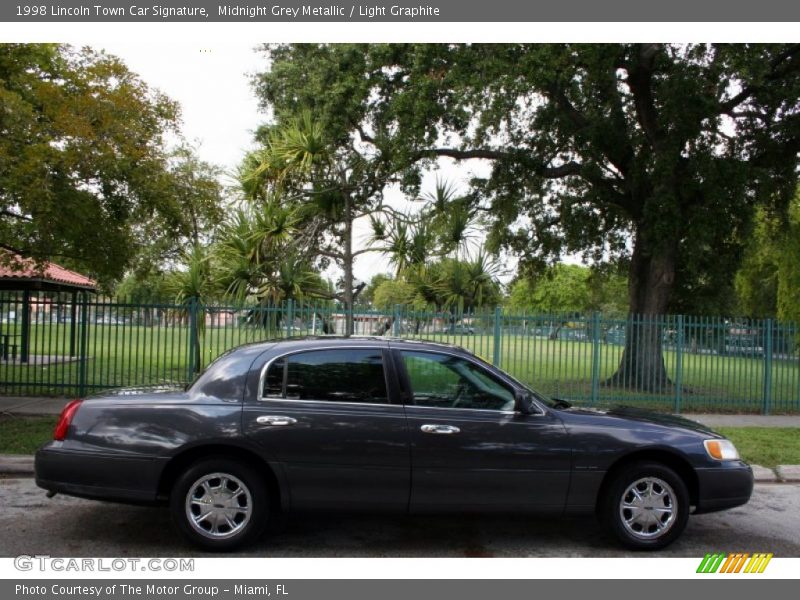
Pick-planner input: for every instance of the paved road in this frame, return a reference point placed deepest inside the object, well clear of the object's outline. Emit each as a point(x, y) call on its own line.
point(62, 526)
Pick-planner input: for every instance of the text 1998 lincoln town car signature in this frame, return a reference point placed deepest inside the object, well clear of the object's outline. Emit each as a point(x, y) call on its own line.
point(383, 425)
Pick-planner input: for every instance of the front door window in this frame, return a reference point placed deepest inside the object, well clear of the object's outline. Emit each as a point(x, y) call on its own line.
point(446, 381)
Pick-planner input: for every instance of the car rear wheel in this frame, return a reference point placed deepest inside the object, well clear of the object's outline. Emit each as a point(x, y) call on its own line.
point(646, 506)
point(220, 504)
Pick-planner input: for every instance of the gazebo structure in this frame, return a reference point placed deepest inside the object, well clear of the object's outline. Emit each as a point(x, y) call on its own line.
point(18, 274)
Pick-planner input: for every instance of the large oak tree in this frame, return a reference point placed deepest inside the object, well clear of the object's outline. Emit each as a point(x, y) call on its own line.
point(655, 154)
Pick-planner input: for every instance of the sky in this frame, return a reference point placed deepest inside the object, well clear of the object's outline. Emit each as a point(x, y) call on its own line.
point(212, 84)
point(220, 113)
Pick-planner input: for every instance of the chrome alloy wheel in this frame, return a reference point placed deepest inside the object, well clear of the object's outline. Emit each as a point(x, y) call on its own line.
point(218, 505)
point(647, 508)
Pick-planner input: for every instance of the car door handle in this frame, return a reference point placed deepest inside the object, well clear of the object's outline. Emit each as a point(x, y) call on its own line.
point(443, 429)
point(275, 420)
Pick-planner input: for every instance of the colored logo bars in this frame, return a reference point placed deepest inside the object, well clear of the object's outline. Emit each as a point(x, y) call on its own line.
point(735, 562)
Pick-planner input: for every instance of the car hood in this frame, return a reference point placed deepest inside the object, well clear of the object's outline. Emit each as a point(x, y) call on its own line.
point(641, 415)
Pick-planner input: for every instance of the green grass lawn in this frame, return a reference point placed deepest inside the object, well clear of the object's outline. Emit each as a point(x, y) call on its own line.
point(119, 355)
point(124, 355)
point(766, 446)
point(710, 382)
point(23, 435)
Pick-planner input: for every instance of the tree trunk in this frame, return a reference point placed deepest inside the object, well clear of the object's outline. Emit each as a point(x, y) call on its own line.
point(651, 280)
point(198, 358)
point(348, 265)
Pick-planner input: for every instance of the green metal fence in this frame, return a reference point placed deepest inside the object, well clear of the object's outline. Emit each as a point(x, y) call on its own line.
point(54, 345)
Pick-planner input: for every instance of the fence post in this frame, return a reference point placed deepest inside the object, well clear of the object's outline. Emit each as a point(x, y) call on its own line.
point(83, 357)
point(192, 337)
point(498, 315)
point(25, 341)
point(289, 317)
point(396, 320)
point(767, 366)
point(679, 365)
point(73, 325)
point(595, 358)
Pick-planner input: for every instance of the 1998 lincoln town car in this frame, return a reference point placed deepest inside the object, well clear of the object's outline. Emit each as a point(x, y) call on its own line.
point(383, 425)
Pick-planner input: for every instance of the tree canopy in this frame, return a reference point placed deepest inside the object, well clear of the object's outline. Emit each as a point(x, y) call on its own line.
point(82, 156)
point(566, 288)
point(768, 281)
point(651, 154)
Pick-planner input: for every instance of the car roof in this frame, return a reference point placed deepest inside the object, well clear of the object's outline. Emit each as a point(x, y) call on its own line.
point(318, 341)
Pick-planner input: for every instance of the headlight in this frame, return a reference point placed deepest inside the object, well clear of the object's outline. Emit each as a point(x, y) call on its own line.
point(721, 449)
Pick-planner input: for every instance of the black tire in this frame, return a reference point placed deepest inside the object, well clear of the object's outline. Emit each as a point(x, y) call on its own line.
point(622, 522)
point(236, 486)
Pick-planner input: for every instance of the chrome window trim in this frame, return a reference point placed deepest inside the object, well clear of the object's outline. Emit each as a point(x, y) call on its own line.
point(332, 402)
point(378, 346)
point(482, 410)
point(262, 377)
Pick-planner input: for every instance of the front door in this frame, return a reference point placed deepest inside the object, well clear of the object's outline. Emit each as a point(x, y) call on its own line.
point(327, 417)
point(470, 450)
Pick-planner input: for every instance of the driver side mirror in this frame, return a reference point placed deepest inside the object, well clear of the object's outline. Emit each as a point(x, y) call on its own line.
point(523, 403)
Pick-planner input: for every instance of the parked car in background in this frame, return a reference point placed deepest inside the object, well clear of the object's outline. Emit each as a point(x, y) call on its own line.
point(737, 345)
point(386, 425)
point(110, 320)
point(458, 329)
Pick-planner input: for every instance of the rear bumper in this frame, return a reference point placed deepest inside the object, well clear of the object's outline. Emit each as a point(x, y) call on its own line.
point(97, 476)
point(723, 487)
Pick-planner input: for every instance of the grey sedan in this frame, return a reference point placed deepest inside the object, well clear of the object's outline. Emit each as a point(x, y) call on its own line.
point(375, 424)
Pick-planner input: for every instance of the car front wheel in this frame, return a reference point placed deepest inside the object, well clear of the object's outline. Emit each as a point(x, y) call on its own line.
point(646, 506)
point(219, 504)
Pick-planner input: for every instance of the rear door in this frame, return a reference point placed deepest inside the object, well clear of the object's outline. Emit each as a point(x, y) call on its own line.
point(470, 450)
point(329, 416)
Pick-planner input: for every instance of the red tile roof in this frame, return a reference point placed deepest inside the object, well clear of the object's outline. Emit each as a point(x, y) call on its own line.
point(26, 268)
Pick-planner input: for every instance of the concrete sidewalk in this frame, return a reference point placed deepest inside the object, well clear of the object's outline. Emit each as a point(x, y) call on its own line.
point(16, 465)
point(745, 420)
point(31, 405)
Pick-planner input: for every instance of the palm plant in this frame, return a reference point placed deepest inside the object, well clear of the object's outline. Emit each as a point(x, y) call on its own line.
point(432, 252)
point(257, 256)
point(467, 284)
point(236, 256)
point(481, 273)
point(290, 153)
point(192, 289)
point(406, 243)
point(451, 218)
point(332, 185)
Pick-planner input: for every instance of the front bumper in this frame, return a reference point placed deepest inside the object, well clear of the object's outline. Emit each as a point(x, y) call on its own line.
point(725, 486)
point(97, 476)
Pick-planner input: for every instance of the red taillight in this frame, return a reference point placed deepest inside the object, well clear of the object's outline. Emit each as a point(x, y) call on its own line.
point(65, 419)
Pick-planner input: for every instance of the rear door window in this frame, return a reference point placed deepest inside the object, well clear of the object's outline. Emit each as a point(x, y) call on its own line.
point(339, 375)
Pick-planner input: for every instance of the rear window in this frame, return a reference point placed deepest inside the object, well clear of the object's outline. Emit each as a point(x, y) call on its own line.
point(342, 375)
point(225, 376)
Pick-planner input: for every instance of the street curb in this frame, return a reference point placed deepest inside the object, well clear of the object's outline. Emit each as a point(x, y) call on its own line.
point(16, 464)
point(788, 473)
point(763, 474)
